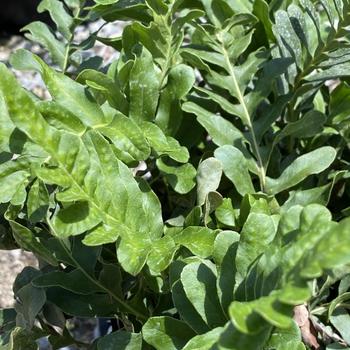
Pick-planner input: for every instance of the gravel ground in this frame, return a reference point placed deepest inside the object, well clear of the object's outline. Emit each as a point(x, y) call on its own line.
point(12, 262)
point(32, 80)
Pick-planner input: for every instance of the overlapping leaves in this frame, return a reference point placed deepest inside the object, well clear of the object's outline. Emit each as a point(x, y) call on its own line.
point(221, 228)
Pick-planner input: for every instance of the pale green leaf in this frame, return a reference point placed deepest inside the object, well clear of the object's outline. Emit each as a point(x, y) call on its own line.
point(74, 281)
point(310, 163)
point(199, 282)
point(257, 233)
point(225, 213)
point(40, 32)
point(181, 177)
point(208, 178)
point(204, 341)
point(164, 145)
point(37, 202)
point(221, 130)
point(127, 137)
point(235, 167)
point(166, 333)
point(59, 15)
point(144, 88)
point(162, 254)
point(180, 80)
point(199, 240)
point(120, 340)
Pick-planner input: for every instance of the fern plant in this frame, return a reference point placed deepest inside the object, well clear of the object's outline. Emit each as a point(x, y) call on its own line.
point(195, 189)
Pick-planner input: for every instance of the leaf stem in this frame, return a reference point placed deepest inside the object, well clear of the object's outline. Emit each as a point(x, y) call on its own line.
point(71, 38)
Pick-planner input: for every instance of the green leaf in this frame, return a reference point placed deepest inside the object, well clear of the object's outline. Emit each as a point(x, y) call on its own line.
point(199, 240)
point(144, 88)
point(13, 181)
point(31, 300)
point(27, 240)
point(314, 195)
point(164, 145)
point(288, 37)
point(222, 131)
point(111, 278)
point(127, 137)
point(120, 340)
point(257, 233)
point(338, 300)
point(37, 202)
point(181, 178)
point(231, 338)
point(69, 94)
point(225, 213)
point(339, 103)
point(121, 10)
point(221, 101)
point(59, 15)
point(208, 178)
point(199, 282)
point(39, 32)
point(89, 166)
point(309, 125)
point(310, 163)
point(340, 319)
point(327, 257)
point(287, 338)
point(93, 305)
point(180, 80)
point(186, 309)
point(261, 10)
point(75, 219)
point(225, 249)
point(235, 167)
point(240, 6)
point(166, 333)
point(204, 341)
point(339, 71)
point(268, 308)
point(212, 201)
point(162, 254)
point(106, 86)
point(60, 118)
point(74, 281)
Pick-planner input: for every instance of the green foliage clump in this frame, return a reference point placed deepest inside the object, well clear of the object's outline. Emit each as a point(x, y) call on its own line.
point(196, 189)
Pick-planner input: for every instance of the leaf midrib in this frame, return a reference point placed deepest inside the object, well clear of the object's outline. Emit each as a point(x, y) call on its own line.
point(262, 174)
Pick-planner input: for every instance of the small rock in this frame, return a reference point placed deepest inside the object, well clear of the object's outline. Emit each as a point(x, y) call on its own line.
point(12, 262)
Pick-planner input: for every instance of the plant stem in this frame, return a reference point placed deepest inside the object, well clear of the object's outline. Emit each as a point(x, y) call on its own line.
point(166, 66)
point(97, 283)
point(71, 38)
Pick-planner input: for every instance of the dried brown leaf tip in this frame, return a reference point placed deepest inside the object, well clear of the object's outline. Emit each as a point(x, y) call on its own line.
point(308, 332)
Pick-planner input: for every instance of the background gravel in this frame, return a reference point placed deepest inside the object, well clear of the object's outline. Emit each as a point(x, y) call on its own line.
point(12, 262)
